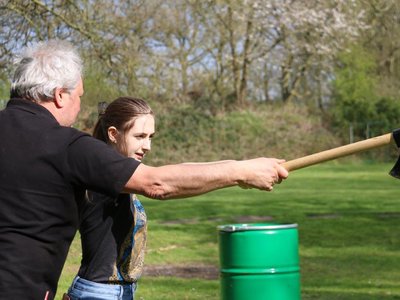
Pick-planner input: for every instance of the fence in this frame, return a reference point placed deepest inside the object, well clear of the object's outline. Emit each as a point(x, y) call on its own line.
point(369, 128)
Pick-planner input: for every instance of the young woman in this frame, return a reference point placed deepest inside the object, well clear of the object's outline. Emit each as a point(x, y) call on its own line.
point(113, 231)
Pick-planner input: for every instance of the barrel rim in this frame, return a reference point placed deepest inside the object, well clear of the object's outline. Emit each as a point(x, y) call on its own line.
point(251, 227)
point(272, 270)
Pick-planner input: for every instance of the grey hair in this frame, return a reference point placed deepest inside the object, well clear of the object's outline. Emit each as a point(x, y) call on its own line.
point(45, 66)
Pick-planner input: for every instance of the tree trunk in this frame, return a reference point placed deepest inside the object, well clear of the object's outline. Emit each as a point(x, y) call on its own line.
point(246, 62)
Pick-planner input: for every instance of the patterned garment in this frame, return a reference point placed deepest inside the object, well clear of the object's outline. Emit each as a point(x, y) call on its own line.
point(130, 260)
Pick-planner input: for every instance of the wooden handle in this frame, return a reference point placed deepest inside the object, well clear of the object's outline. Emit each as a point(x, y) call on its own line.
point(334, 153)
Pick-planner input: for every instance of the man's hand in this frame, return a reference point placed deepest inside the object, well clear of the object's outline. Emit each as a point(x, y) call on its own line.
point(262, 173)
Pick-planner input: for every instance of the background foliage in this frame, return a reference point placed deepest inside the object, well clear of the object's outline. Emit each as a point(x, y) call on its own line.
point(228, 78)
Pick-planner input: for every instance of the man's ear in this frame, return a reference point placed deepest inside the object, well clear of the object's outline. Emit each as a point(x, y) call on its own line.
point(112, 134)
point(59, 97)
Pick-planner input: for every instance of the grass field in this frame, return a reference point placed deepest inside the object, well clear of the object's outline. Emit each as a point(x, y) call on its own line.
point(348, 217)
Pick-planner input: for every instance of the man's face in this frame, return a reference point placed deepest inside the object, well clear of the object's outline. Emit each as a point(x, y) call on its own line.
point(73, 104)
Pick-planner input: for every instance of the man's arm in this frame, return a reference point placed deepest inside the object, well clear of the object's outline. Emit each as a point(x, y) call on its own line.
point(190, 179)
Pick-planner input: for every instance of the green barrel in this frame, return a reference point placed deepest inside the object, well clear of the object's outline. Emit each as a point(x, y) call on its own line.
point(259, 262)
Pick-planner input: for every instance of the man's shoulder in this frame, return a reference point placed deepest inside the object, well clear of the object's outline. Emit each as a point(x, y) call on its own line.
point(74, 133)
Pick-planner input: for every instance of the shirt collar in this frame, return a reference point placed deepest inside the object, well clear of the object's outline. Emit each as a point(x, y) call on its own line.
point(29, 106)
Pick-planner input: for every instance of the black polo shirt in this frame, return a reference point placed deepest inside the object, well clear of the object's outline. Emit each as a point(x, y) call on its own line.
point(45, 169)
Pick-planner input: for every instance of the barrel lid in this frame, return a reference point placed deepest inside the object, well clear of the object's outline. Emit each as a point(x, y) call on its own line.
point(257, 226)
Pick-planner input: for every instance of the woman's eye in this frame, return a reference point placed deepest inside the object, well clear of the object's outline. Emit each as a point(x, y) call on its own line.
point(143, 136)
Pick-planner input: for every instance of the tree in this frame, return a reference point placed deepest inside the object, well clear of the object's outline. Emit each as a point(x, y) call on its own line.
point(177, 41)
point(311, 34)
point(231, 51)
point(355, 86)
point(382, 40)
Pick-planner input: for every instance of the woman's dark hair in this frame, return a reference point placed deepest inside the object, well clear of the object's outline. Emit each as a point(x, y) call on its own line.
point(120, 113)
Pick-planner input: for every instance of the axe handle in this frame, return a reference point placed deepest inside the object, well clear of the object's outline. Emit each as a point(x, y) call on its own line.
point(334, 153)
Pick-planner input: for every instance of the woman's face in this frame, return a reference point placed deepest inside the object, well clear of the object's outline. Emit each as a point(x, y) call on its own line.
point(138, 138)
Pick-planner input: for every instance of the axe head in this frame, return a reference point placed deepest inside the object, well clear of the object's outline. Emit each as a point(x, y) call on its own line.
point(395, 172)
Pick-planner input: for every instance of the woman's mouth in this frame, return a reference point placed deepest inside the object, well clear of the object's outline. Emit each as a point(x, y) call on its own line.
point(139, 156)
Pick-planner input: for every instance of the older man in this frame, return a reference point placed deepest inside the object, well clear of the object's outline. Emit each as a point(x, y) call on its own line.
point(46, 167)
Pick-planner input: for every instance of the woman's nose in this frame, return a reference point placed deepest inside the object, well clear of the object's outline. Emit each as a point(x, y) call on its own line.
point(147, 145)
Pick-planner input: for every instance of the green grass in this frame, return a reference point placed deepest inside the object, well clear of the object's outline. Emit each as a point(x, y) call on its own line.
point(348, 217)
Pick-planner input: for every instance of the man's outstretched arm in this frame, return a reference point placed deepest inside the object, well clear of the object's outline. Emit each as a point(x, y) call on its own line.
point(190, 179)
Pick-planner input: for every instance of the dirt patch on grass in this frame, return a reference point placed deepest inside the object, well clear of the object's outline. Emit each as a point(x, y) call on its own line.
point(251, 219)
point(323, 216)
point(238, 219)
point(195, 270)
point(183, 271)
point(389, 215)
